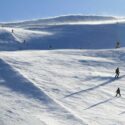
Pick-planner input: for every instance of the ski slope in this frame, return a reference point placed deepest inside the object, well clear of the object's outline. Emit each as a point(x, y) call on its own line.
point(63, 87)
point(71, 83)
point(66, 32)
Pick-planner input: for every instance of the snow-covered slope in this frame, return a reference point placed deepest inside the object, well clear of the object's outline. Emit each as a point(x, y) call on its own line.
point(66, 32)
point(60, 20)
point(62, 87)
point(75, 85)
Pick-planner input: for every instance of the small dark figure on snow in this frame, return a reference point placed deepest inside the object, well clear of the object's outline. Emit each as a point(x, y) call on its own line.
point(118, 92)
point(50, 46)
point(117, 45)
point(117, 73)
point(24, 41)
point(12, 31)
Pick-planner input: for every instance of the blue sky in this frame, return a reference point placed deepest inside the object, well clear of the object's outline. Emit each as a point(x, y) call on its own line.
point(13, 10)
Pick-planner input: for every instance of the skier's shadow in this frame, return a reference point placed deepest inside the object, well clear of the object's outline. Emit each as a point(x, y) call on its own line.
point(102, 102)
point(122, 113)
point(95, 87)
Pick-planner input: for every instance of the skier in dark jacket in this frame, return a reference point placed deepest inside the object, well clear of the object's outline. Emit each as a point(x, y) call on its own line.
point(50, 46)
point(117, 45)
point(24, 41)
point(118, 92)
point(12, 30)
point(117, 73)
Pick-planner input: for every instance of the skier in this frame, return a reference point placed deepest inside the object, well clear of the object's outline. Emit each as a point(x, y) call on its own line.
point(12, 31)
point(117, 45)
point(117, 73)
point(24, 41)
point(50, 46)
point(118, 92)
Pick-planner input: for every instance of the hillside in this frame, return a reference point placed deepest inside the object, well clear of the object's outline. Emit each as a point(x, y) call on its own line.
point(61, 71)
point(44, 87)
point(66, 32)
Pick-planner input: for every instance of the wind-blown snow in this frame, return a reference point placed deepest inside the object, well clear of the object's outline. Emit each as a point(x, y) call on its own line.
point(66, 32)
point(40, 85)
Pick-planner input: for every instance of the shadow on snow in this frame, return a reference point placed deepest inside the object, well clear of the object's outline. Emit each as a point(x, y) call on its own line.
point(16, 82)
point(95, 87)
point(102, 102)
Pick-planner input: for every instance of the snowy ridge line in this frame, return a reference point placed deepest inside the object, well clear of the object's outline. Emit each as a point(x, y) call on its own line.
point(68, 19)
point(77, 23)
point(64, 17)
point(23, 86)
point(28, 89)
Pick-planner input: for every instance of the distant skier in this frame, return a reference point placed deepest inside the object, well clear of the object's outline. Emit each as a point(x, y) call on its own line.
point(117, 45)
point(12, 30)
point(24, 41)
point(117, 73)
point(50, 46)
point(118, 92)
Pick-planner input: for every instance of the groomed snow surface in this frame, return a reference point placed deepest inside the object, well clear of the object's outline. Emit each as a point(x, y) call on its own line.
point(69, 86)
